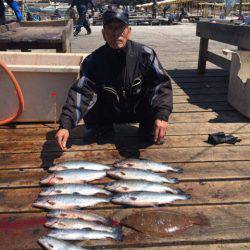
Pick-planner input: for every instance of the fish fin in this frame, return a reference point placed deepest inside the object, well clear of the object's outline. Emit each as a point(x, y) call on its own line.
point(130, 164)
point(51, 202)
point(58, 191)
point(125, 188)
point(59, 178)
point(75, 193)
point(123, 173)
point(133, 198)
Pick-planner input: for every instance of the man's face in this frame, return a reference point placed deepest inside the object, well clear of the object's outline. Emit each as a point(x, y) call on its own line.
point(116, 34)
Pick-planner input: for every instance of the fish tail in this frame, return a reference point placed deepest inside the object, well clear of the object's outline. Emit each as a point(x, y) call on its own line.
point(118, 233)
point(187, 196)
point(179, 191)
point(173, 180)
point(177, 170)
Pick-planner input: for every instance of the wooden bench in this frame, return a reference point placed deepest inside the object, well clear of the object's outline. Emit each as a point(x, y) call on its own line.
point(221, 32)
point(25, 36)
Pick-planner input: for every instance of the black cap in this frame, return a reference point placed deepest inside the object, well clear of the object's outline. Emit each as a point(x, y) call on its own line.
point(115, 14)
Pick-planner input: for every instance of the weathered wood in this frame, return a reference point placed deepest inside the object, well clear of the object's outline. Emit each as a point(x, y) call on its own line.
point(202, 91)
point(195, 154)
point(173, 141)
point(38, 35)
point(26, 133)
point(204, 192)
point(218, 60)
point(202, 55)
point(193, 171)
point(235, 228)
point(226, 33)
point(208, 246)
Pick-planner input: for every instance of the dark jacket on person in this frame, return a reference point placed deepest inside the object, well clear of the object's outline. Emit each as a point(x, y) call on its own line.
point(123, 77)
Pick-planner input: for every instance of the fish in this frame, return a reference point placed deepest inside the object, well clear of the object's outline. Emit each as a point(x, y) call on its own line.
point(83, 189)
point(51, 243)
point(125, 186)
point(68, 201)
point(138, 174)
point(142, 199)
point(77, 224)
point(74, 176)
point(84, 234)
point(76, 214)
point(78, 165)
point(146, 165)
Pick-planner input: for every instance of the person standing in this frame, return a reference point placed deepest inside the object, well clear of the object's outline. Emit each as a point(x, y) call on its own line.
point(14, 6)
point(82, 8)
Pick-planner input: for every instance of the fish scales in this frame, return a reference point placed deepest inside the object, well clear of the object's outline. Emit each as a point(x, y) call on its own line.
point(147, 198)
point(74, 176)
point(139, 174)
point(146, 165)
point(78, 165)
point(77, 224)
point(83, 189)
point(67, 201)
point(77, 214)
point(83, 234)
point(124, 186)
point(51, 243)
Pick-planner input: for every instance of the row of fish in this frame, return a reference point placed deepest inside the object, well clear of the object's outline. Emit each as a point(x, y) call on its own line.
point(136, 185)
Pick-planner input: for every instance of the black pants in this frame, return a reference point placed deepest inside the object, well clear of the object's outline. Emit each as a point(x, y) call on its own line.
point(103, 114)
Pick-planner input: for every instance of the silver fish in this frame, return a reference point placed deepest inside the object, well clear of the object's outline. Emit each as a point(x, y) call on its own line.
point(51, 243)
point(148, 198)
point(68, 201)
point(77, 224)
point(125, 186)
point(76, 214)
point(83, 234)
point(78, 165)
point(83, 189)
point(139, 174)
point(74, 176)
point(146, 165)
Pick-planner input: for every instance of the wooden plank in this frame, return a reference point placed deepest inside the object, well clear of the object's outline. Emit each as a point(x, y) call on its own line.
point(26, 133)
point(193, 171)
point(205, 246)
point(172, 141)
point(201, 91)
point(218, 60)
point(204, 192)
point(226, 33)
point(225, 224)
point(195, 154)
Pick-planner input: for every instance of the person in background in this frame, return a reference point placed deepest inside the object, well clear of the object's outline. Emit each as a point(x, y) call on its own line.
point(14, 6)
point(121, 82)
point(82, 8)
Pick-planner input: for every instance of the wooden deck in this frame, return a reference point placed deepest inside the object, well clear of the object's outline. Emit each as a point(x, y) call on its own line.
point(218, 178)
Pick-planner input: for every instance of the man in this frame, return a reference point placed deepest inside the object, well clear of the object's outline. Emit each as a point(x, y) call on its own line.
point(14, 6)
point(122, 81)
point(82, 8)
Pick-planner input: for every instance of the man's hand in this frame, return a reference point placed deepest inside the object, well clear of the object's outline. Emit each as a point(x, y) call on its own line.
point(159, 130)
point(62, 136)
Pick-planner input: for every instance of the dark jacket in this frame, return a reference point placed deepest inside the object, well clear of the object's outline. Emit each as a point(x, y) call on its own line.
point(127, 76)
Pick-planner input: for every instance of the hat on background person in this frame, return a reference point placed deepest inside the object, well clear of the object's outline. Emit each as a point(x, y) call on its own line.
point(115, 14)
